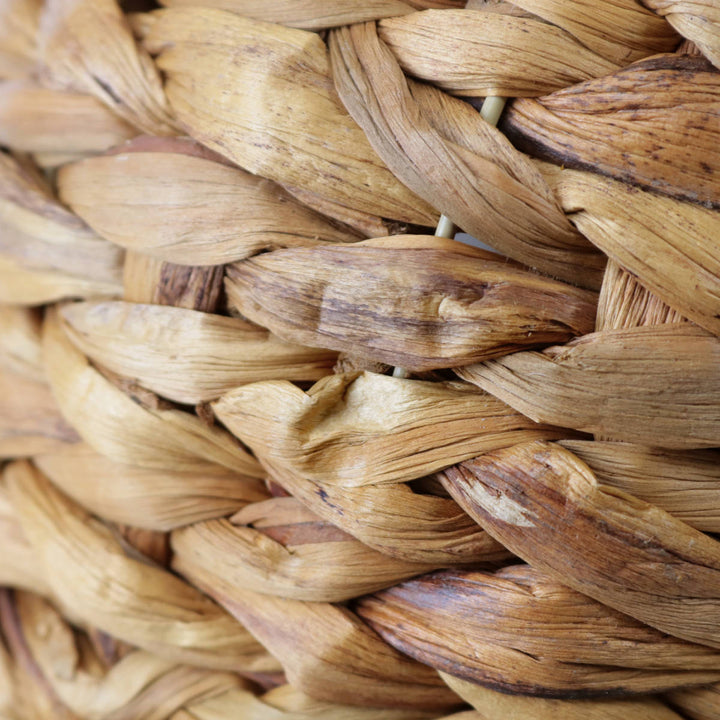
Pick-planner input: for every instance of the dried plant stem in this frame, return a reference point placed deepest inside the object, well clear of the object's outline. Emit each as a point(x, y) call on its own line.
point(445, 227)
point(490, 111)
point(274, 444)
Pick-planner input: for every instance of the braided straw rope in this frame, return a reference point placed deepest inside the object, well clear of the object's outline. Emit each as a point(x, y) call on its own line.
point(219, 500)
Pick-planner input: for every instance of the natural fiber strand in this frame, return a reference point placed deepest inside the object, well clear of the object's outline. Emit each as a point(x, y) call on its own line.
point(273, 450)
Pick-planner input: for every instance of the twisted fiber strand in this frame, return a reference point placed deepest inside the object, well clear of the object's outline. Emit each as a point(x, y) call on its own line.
point(110, 616)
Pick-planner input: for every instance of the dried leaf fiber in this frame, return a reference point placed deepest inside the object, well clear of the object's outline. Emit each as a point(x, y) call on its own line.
point(278, 440)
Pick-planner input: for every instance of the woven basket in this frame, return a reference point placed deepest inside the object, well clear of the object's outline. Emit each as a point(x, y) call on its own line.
point(274, 447)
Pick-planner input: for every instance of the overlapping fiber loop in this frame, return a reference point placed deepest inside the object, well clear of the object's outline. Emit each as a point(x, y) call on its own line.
point(271, 448)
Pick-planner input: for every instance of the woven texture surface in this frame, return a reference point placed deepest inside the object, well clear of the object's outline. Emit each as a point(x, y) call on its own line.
point(272, 449)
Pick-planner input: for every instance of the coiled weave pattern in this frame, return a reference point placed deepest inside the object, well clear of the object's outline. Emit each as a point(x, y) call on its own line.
point(218, 500)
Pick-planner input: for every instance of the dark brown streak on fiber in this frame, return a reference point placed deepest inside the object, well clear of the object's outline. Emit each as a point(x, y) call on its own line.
point(194, 288)
point(305, 533)
point(546, 506)
point(451, 310)
point(463, 622)
point(652, 124)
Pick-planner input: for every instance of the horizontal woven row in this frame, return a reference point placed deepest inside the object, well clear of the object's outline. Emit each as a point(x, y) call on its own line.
point(271, 448)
